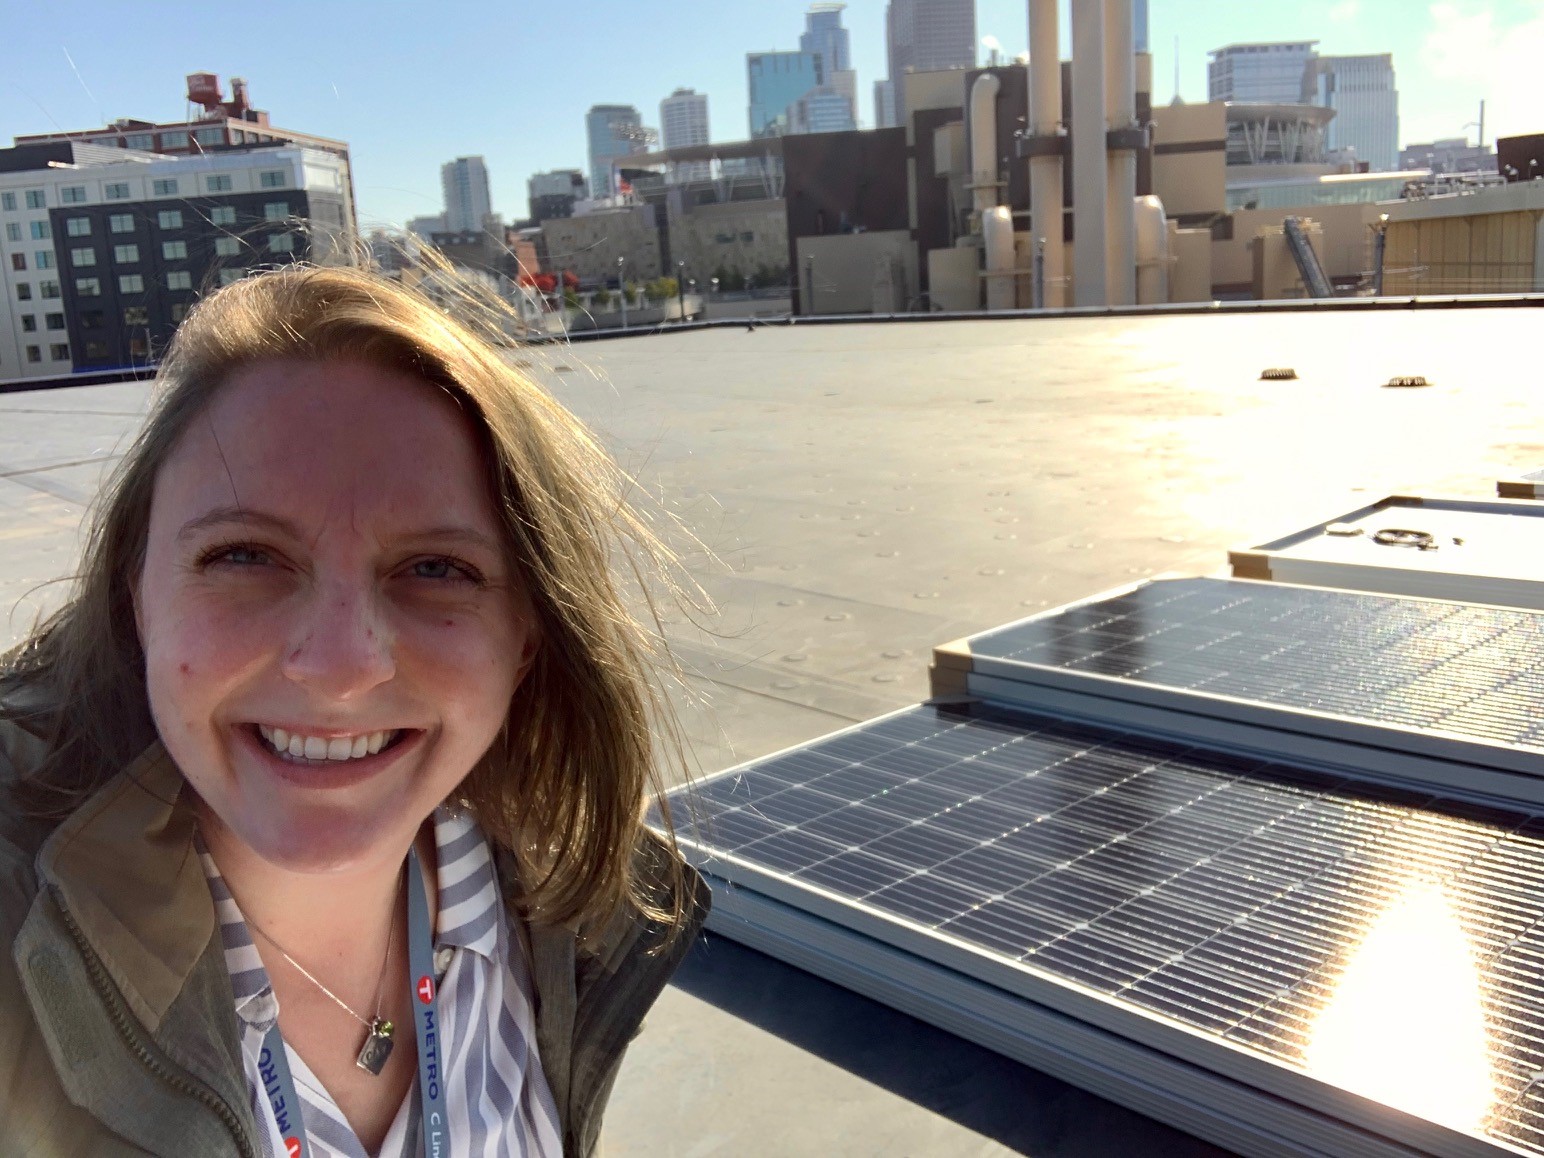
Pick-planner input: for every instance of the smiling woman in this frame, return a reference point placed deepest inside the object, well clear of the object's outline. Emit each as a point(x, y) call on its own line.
point(346, 728)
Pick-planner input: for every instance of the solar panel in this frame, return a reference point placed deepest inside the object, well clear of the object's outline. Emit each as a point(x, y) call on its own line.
point(1225, 912)
point(1439, 548)
point(1461, 682)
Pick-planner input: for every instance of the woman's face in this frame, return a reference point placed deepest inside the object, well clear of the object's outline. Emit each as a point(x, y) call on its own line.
point(332, 632)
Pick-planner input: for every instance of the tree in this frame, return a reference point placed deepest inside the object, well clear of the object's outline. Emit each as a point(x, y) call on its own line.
point(601, 299)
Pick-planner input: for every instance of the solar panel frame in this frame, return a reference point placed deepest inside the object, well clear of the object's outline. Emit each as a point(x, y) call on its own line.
point(1035, 685)
point(1470, 568)
point(1194, 1100)
point(1057, 994)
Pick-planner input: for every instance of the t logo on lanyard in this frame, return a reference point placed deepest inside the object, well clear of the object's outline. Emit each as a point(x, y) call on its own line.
point(274, 1064)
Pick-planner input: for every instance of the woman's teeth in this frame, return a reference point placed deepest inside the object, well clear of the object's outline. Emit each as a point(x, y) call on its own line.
point(319, 748)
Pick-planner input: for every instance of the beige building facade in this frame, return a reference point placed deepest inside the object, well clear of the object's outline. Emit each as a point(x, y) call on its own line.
point(590, 244)
point(1488, 241)
point(733, 237)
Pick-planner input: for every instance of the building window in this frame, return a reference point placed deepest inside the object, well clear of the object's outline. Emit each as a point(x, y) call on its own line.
point(8, 202)
point(13, 231)
point(29, 323)
point(23, 291)
point(139, 141)
point(91, 319)
point(276, 211)
point(179, 311)
point(43, 259)
point(174, 250)
point(209, 136)
point(281, 243)
point(86, 256)
point(72, 195)
point(19, 261)
point(271, 178)
point(229, 275)
point(95, 351)
point(131, 283)
point(227, 246)
point(48, 289)
point(164, 187)
point(125, 253)
point(179, 279)
point(121, 223)
point(174, 140)
point(88, 287)
point(223, 215)
point(117, 191)
point(34, 353)
point(54, 321)
point(136, 316)
point(59, 352)
point(35, 199)
point(170, 218)
point(217, 182)
point(78, 226)
point(41, 231)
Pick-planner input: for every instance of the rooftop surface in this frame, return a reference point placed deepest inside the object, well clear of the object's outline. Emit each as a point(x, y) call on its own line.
point(861, 492)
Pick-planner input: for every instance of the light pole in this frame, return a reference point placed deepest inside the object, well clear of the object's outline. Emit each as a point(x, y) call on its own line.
point(622, 288)
point(1380, 240)
point(680, 287)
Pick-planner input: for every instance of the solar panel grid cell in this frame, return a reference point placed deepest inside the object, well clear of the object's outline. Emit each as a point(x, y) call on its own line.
point(1215, 892)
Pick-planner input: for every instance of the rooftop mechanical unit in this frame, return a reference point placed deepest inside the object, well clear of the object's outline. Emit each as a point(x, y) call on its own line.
point(1260, 861)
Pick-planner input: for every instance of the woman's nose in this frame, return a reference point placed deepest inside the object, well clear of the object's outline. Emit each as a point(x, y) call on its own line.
point(341, 647)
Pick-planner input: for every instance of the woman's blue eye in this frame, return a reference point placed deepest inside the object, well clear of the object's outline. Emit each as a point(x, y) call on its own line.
point(439, 569)
point(235, 554)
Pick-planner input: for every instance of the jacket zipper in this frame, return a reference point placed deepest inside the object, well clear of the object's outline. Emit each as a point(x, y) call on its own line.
point(121, 1023)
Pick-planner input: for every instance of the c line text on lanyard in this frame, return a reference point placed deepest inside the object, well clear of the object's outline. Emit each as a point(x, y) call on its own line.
point(273, 1065)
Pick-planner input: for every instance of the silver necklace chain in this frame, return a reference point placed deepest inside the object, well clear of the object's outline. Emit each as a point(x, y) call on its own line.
point(391, 933)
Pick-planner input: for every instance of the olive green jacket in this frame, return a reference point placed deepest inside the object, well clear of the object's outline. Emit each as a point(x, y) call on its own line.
point(117, 1020)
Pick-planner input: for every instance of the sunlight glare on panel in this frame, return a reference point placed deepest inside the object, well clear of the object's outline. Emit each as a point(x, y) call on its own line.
point(1406, 1025)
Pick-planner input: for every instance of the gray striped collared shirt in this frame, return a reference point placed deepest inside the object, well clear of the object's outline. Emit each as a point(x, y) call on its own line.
point(496, 1097)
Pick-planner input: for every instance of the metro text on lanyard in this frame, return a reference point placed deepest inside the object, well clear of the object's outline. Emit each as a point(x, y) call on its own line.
point(273, 1065)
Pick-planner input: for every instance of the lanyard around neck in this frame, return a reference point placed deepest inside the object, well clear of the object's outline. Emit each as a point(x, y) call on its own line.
point(273, 1066)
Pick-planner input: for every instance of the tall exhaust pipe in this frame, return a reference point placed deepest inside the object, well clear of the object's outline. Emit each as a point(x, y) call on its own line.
point(1046, 143)
point(1120, 93)
point(1090, 181)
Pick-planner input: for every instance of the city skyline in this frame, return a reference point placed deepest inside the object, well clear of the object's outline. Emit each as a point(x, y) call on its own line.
point(1448, 57)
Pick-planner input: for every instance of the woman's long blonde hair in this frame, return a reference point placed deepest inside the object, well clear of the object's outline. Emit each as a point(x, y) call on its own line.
point(565, 783)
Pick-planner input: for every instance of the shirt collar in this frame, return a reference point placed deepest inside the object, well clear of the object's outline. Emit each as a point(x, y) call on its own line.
point(469, 901)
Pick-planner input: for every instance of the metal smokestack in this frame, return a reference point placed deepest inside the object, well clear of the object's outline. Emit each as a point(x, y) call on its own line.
point(1090, 192)
point(1121, 160)
point(1045, 161)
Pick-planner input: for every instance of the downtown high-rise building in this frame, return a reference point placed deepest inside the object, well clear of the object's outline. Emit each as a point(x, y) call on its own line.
point(683, 121)
point(884, 104)
point(831, 43)
point(1361, 91)
point(612, 131)
point(1260, 73)
point(776, 81)
point(468, 201)
point(552, 195)
point(924, 36)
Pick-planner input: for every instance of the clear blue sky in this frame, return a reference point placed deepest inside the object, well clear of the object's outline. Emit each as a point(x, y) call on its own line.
point(412, 85)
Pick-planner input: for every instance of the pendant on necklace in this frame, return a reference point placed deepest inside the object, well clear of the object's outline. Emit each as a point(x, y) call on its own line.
point(377, 1047)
